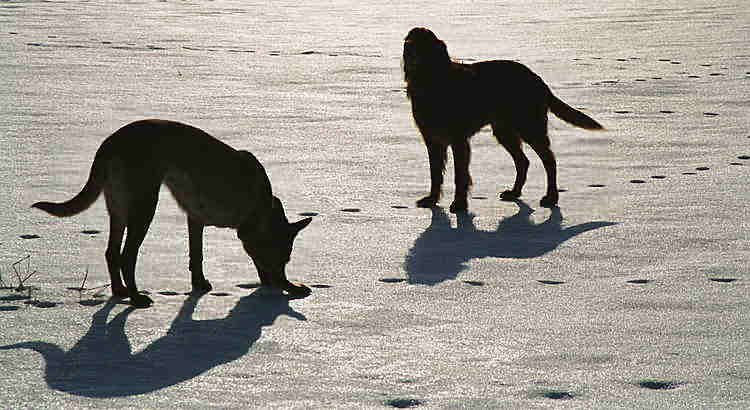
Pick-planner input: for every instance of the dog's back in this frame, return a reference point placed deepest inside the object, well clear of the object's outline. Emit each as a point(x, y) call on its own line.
point(202, 173)
point(477, 94)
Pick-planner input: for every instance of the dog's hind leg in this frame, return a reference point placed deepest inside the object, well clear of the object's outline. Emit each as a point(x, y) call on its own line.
point(117, 217)
point(437, 154)
point(112, 255)
point(195, 238)
point(140, 213)
point(461, 158)
point(511, 141)
point(542, 148)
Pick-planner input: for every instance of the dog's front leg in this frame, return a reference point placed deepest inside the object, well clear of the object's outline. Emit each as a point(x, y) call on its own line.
point(195, 239)
point(437, 156)
point(461, 158)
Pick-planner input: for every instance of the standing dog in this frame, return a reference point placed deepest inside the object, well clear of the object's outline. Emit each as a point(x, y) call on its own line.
point(452, 101)
point(213, 183)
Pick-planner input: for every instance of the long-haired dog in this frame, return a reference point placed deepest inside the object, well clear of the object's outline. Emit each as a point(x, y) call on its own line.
point(452, 101)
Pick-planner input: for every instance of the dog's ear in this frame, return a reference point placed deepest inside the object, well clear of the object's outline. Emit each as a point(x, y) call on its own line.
point(299, 225)
point(278, 210)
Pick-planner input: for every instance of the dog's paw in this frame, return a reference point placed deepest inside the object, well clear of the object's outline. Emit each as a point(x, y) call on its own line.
point(459, 205)
point(265, 290)
point(427, 202)
point(548, 201)
point(297, 290)
point(201, 287)
point(509, 195)
point(140, 301)
point(119, 292)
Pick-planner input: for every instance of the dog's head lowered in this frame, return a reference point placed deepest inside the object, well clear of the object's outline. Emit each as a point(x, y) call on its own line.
point(423, 51)
point(270, 245)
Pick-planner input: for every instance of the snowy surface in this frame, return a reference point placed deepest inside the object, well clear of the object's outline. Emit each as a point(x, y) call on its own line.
point(629, 295)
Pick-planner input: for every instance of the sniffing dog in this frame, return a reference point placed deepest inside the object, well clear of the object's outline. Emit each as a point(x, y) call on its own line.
point(452, 101)
point(212, 182)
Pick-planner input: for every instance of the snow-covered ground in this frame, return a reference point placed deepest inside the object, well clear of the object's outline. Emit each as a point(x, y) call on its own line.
point(627, 295)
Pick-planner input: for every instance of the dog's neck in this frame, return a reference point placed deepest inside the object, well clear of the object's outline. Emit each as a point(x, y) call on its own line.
point(259, 221)
point(422, 77)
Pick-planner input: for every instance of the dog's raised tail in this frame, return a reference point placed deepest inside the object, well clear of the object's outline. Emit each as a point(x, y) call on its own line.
point(571, 115)
point(80, 202)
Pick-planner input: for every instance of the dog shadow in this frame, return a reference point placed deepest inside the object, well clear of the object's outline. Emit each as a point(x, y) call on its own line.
point(441, 252)
point(102, 363)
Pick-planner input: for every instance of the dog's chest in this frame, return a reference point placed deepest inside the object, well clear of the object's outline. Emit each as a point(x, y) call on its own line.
point(210, 199)
point(443, 117)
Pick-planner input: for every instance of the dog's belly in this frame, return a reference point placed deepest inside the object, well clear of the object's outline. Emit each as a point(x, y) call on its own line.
point(209, 200)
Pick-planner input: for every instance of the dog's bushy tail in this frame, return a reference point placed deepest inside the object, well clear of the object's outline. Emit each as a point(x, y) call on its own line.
point(571, 115)
point(83, 200)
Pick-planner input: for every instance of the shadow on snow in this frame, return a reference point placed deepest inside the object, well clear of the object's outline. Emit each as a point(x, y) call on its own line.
point(441, 251)
point(102, 364)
